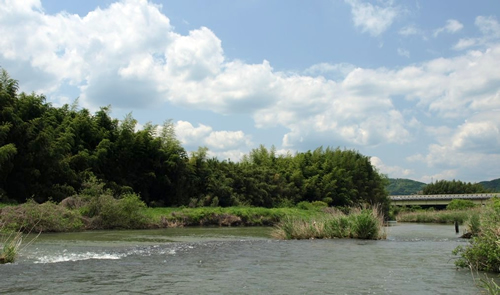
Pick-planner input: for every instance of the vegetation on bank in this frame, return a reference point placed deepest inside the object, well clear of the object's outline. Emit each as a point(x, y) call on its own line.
point(95, 208)
point(47, 153)
point(483, 252)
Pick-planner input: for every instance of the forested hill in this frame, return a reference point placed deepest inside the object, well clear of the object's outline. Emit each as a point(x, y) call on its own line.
point(49, 153)
point(401, 186)
point(492, 185)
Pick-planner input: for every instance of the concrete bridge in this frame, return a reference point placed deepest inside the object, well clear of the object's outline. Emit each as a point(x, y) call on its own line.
point(439, 200)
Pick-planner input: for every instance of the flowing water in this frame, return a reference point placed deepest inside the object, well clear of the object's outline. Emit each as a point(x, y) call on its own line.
point(415, 259)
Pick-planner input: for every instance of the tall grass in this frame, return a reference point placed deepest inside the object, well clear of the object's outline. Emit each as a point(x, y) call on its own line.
point(359, 224)
point(483, 252)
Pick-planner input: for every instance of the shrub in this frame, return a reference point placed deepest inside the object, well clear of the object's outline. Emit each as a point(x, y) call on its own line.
point(107, 212)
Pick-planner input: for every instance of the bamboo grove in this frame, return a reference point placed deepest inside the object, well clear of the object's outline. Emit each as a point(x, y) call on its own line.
point(47, 152)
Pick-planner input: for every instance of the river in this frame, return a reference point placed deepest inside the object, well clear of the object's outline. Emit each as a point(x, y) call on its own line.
point(415, 259)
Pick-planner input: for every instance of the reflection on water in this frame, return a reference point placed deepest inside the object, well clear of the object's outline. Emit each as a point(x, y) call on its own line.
point(415, 259)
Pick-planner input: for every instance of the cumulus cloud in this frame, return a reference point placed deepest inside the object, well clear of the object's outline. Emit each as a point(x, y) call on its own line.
point(373, 19)
point(452, 26)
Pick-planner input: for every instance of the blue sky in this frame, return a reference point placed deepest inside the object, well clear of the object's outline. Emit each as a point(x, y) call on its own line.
point(413, 84)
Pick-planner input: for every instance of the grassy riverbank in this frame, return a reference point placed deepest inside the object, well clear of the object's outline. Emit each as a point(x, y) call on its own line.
point(308, 220)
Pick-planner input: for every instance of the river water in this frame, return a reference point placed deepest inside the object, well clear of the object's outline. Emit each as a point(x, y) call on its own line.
point(415, 259)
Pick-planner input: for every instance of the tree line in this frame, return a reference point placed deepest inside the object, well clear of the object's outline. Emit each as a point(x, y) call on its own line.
point(453, 187)
point(47, 153)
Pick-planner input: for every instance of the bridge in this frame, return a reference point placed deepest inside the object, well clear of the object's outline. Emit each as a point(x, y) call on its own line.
point(439, 200)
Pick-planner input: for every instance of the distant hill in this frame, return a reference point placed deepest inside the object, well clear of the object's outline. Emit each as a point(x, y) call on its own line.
point(493, 185)
point(401, 186)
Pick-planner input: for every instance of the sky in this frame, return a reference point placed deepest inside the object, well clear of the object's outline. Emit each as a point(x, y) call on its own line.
point(414, 85)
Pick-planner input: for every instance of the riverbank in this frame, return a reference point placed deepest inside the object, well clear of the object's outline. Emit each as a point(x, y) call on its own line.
point(130, 213)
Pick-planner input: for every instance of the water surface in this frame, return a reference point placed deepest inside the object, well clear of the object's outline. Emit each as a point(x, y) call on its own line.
point(415, 259)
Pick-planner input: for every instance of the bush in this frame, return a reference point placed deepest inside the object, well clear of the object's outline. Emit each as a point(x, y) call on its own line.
point(109, 213)
point(459, 204)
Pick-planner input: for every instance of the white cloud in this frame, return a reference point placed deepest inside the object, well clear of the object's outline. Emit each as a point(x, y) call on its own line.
point(392, 171)
point(216, 141)
point(190, 135)
point(371, 18)
point(452, 26)
point(227, 140)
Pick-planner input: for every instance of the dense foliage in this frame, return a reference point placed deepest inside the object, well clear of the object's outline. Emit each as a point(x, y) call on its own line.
point(401, 186)
point(453, 187)
point(47, 153)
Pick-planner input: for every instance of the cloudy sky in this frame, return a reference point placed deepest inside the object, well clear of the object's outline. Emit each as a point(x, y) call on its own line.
point(413, 84)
